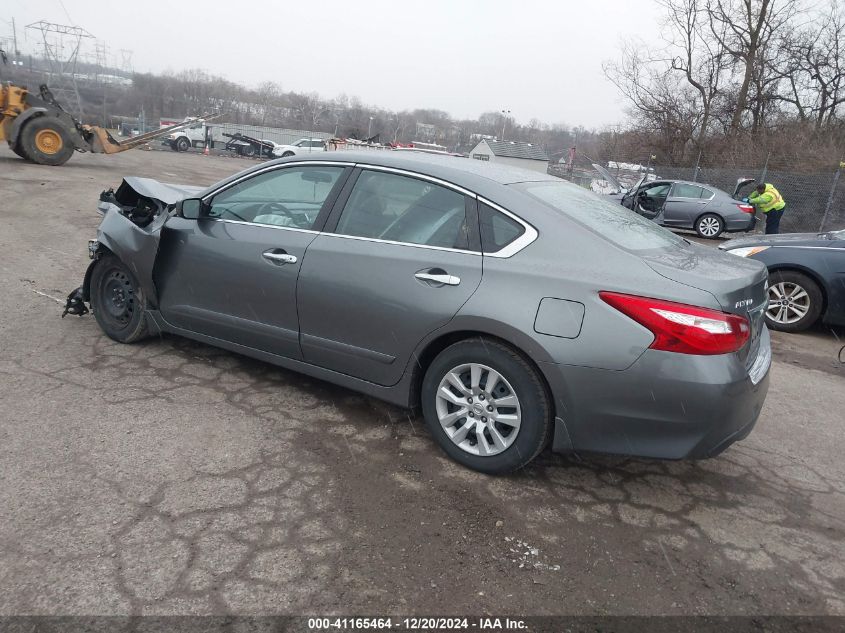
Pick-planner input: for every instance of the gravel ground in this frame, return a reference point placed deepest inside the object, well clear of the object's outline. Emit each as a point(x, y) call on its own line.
point(174, 478)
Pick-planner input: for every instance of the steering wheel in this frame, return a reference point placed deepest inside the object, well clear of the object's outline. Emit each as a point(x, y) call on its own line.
point(272, 208)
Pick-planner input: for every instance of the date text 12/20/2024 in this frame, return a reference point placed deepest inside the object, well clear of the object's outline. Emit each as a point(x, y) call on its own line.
point(416, 624)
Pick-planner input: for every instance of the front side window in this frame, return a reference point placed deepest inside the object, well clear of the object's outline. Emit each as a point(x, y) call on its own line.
point(683, 190)
point(660, 190)
point(403, 209)
point(289, 197)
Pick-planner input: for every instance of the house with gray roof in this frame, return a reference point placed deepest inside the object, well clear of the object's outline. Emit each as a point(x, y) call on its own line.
point(515, 153)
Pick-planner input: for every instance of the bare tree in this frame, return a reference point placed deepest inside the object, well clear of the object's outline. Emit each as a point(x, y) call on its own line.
point(701, 59)
point(813, 68)
point(745, 28)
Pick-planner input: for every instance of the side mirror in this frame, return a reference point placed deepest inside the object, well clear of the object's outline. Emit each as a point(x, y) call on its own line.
point(190, 208)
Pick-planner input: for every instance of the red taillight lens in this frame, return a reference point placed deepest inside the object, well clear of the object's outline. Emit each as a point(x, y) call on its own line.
point(746, 208)
point(681, 328)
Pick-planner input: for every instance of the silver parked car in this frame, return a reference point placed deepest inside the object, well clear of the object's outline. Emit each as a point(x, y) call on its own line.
point(682, 204)
point(516, 309)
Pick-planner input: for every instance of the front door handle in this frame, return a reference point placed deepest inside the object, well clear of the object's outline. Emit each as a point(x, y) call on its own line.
point(278, 257)
point(448, 280)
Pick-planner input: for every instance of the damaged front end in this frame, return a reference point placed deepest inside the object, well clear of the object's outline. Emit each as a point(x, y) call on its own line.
point(133, 216)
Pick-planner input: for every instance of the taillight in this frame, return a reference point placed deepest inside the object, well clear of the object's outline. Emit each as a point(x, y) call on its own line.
point(745, 208)
point(682, 328)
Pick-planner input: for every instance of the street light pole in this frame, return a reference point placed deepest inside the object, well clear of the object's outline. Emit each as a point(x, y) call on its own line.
point(505, 114)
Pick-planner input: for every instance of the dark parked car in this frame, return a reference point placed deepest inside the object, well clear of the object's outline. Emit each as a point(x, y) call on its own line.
point(806, 276)
point(515, 308)
point(687, 205)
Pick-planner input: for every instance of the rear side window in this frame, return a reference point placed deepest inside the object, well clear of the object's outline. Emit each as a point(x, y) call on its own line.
point(497, 229)
point(610, 220)
point(683, 190)
point(403, 209)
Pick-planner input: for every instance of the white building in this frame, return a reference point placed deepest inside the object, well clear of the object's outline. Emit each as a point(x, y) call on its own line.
point(515, 153)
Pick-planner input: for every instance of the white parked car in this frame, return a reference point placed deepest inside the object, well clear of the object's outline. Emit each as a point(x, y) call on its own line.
point(302, 146)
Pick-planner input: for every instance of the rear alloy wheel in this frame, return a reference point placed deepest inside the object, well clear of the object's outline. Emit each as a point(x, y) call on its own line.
point(486, 406)
point(709, 226)
point(45, 141)
point(795, 302)
point(117, 301)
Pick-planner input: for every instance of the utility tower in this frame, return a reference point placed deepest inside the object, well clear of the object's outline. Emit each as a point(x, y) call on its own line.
point(61, 45)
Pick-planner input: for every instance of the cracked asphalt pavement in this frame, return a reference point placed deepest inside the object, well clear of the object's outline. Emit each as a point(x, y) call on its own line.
point(170, 477)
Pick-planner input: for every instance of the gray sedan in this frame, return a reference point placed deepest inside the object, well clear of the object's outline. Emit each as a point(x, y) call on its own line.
point(682, 204)
point(515, 309)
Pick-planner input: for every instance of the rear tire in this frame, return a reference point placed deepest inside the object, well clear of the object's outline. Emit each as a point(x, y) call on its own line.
point(491, 424)
point(795, 301)
point(45, 141)
point(709, 226)
point(118, 301)
point(287, 154)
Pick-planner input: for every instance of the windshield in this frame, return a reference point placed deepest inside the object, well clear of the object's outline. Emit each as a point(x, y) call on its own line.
point(612, 221)
point(838, 235)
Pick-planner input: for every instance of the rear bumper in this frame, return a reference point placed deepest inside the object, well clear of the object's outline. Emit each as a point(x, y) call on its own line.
point(745, 222)
point(665, 405)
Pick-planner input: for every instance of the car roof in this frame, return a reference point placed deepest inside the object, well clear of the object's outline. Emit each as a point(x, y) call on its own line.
point(690, 182)
point(458, 170)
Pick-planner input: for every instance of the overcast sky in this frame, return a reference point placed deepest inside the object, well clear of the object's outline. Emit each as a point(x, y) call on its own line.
point(537, 59)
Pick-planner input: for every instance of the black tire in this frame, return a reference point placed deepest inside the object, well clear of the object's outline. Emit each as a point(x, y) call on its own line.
point(248, 151)
point(118, 301)
point(534, 403)
point(287, 154)
point(709, 226)
point(16, 148)
point(808, 296)
point(45, 141)
point(183, 144)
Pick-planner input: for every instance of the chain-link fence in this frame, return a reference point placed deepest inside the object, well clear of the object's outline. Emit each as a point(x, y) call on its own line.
point(815, 199)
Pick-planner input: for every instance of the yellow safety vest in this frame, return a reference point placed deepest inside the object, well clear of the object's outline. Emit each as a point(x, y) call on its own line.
point(769, 200)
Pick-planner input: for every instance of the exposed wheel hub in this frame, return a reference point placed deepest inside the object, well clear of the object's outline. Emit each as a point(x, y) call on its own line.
point(118, 296)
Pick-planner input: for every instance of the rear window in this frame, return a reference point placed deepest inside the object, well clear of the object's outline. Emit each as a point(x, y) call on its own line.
point(607, 218)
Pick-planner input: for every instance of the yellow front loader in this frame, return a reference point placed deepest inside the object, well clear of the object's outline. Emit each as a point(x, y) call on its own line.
point(37, 128)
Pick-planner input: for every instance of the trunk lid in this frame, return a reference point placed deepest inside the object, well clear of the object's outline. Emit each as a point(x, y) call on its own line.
point(739, 285)
point(740, 184)
point(610, 178)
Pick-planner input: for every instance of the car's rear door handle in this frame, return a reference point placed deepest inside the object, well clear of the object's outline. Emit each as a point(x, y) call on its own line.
point(448, 280)
point(278, 256)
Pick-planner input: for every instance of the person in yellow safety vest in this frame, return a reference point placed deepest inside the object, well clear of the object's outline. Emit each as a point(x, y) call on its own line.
point(771, 203)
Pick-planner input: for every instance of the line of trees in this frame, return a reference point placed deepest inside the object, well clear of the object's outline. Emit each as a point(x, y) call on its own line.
point(734, 80)
point(192, 92)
